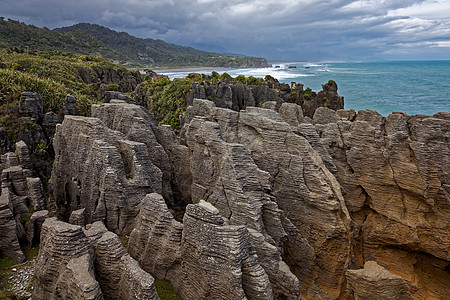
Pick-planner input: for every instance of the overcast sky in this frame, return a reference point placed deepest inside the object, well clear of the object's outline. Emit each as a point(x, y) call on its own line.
point(282, 29)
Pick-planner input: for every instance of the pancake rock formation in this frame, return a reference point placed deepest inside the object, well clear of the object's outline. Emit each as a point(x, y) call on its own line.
point(106, 165)
point(278, 204)
point(77, 263)
point(21, 195)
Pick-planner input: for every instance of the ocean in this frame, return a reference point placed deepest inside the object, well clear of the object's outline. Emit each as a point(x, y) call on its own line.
point(414, 87)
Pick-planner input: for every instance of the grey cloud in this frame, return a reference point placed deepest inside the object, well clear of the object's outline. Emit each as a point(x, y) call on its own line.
point(305, 29)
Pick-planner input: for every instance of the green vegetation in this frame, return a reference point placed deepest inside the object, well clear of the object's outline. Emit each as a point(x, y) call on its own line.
point(113, 87)
point(5, 265)
point(165, 290)
point(32, 38)
point(307, 94)
point(31, 253)
point(118, 47)
point(24, 218)
point(167, 98)
point(53, 75)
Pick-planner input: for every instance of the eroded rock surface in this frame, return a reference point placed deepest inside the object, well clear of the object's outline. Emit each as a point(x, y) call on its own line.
point(375, 282)
point(74, 263)
point(285, 201)
point(100, 170)
point(240, 190)
point(9, 242)
point(21, 194)
point(156, 241)
point(60, 243)
point(285, 166)
point(219, 261)
point(138, 125)
point(203, 258)
point(394, 172)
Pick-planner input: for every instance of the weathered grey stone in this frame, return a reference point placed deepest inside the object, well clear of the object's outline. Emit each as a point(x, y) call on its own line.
point(78, 281)
point(87, 264)
point(3, 140)
point(60, 242)
point(9, 159)
point(34, 226)
point(347, 114)
point(110, 95)
point(24, 154)
point(291, 114)
point(9, 243)
point(180, 160)
point(324, 115)
point(270, 105)
point(32, 105)
point(18, 184)
point(394, 174)
point(35, 193)
point(69, 105)
point(49, 125)
point(108, 252)
point(304, 189)
point(135, 283)
point(375, 282)
point(156, 241)
point(240, 191)
point(237, 96)
point(119, 275)
point(328, 98)
point(98, 169)
point(138, 125)
point(218, 260)
point(95, 231)
point(78, 217)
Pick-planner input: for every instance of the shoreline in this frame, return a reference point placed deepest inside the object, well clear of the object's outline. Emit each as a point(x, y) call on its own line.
point(191, 69)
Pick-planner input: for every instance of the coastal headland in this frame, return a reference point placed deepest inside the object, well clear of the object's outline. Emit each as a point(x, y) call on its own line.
point(218, 187)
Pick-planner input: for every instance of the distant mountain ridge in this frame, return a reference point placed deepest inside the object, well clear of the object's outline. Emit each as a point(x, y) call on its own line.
point(118, 47)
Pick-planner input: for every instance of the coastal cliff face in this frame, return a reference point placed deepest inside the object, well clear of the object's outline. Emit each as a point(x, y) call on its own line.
point(238, 95)
point(279, 205)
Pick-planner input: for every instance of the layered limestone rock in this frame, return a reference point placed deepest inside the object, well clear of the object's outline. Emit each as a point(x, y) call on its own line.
point(291, 202)
point(87, 264)
point(102, 171)
point(304, 189)
point(235, 96)
point(156, 241)
point(60, 243)
point(21, 194)
point(219, 261)
point(34, 226)
point(240, 190)
point(137, 125)
point(203, 258)
point(119, 276)
point(77, 281)
point(375, 282)
point(328, 98)
point(9, 243)
point(395, 176)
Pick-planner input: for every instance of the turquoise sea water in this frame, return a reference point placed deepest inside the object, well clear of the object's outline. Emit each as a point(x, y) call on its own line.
point(415, 87)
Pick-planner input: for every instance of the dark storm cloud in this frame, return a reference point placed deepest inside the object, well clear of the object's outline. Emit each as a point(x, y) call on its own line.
point(336, 29)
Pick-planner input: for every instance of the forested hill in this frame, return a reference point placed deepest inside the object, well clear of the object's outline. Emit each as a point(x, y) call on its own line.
point(118, 47)
point(32, 38)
